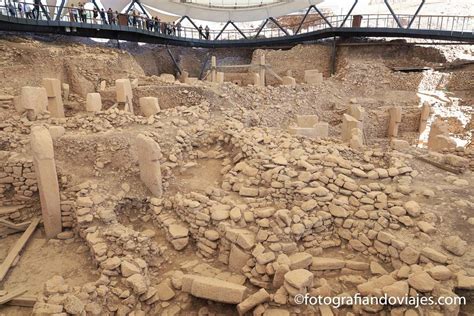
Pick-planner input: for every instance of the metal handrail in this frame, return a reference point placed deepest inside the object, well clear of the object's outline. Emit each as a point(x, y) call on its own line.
point(75, 17)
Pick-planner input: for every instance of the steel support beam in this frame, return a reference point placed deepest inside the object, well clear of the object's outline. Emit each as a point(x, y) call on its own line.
point(174, 61)
point(261, 28)
point(141, 7)
point(416, 14)
point(306, 15)
point(393, 14)
point(129, 7)
point(60, 10)
point(279, 26)
point(45, 12)
point(222, 31)
point(96, 5)
point(236, 27)
point(192, 23)
point(349, 13)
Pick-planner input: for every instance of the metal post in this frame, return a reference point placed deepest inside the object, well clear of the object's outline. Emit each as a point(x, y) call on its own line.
point(262, 70)
point(349, 13)
point(213, 69)
point(333, 56)
point(416, 13)
point(60, 10)
point(393, 14)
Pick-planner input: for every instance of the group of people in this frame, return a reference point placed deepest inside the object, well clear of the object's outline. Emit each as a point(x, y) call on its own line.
point(25, 10)
point(79, 14)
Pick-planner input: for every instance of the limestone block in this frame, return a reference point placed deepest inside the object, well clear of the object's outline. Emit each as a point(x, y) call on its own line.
point(93, 102)
point(307, 121)
point(349, 123)
point(53, 87)
point(313, 77)
point(438, 127)
point(149, 106)
point(425, 114)
point(442, 142)
point(289, 81)
point(34, 98)
point(56, 107)
point(45, 169)
point(399, 144)
point(356, 141)
point(123, 88)
point(184, 75)
point(220, 77)
point(255, 78)
point(394, 121)
point(66, 91)
point(149, 154)
point(237, 259)
point(253, 300)
point(321, 129)
point(213, 289)
point(357, 112)
point(56, 131)
point(167, 78)
point(191, 80)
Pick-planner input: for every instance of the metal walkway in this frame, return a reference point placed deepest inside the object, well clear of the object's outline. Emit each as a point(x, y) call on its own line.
point(135, 28)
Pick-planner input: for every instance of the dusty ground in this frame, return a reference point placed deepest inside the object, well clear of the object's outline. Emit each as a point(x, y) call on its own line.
point(216, 140)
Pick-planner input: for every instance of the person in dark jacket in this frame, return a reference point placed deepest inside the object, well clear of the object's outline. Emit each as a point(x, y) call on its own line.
point(103, 16)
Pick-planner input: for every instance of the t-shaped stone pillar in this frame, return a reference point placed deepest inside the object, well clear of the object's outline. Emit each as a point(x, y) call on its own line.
point(45, 169)
point(55, 99)
point(395, 120)
point(123, 88)
point(149, 154)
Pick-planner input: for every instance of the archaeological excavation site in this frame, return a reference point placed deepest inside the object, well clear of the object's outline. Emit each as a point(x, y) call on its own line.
point(315, 172)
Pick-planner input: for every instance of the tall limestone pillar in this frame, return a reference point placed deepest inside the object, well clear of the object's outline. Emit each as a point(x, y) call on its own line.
point(149, 154)
point(55, 99)
point(45, 169)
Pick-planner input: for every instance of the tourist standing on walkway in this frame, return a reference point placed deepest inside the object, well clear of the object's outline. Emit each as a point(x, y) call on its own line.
point(73, 13)
point(103, 17)
point(21, 9)
point(110, 16)
point(208, 31)
point(11, 9)
point(80, 9)
point(200, 31)
point(157, 24)
point(178, 27)
point(95, 14)
point(36, 9)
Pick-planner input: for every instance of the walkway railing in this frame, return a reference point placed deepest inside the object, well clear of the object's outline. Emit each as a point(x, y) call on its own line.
point(74, 17)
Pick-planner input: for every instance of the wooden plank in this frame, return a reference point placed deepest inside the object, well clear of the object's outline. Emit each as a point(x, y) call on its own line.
point(5, 210)
point(6, 298)
point(439, 165)
point(23, 301)
point(15, 251)
point(20, 226)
